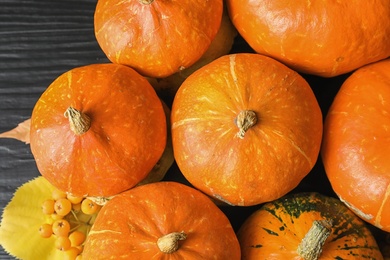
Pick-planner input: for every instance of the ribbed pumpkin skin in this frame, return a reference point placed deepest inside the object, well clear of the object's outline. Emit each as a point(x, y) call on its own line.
point(221, 45)
point(275, 230)
point(273, 156)
point(356, 144)
point(156, 39)
point(130, 224)
point(325, 38)
point(126, 138)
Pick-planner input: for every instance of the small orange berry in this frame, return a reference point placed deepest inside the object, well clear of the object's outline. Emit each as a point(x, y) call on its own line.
point(45, 230)
point(74, 199)
point(77, 238)
point(61, 227)
point(58, 194)
point(89, 207)
point(48, 206)
point(63, 243)
point(62, 206)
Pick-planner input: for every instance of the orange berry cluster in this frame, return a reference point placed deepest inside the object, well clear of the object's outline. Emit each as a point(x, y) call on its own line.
point(69, 219)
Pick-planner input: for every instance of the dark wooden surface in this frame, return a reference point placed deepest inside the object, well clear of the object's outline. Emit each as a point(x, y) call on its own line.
point(41, 39)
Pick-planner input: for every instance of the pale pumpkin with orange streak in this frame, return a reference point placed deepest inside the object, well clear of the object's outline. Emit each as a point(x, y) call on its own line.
point(155, 37)
point(306, 226)
point(356, 142)
point(245, 129)
point(98, 130)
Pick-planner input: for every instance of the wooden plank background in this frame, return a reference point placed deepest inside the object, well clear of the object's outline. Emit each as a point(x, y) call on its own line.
point(41, 39)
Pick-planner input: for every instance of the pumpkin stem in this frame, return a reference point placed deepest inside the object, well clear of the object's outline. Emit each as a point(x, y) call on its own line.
point(78, 121)
point(101, 201)
point(245, 120)
point(170, 243)
point(311, 245)
point(146, 2)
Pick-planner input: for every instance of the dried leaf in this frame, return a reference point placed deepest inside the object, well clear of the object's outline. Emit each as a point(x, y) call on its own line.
point(21, 132)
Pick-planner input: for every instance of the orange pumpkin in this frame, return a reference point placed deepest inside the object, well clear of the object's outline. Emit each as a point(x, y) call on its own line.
point(156, 37)
point(165, 162)
point(325, 38)
point(306, 226)
point(221, 45)
point(163, 220)
point(98, 130)
point(356, 143)
point(245, 129)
